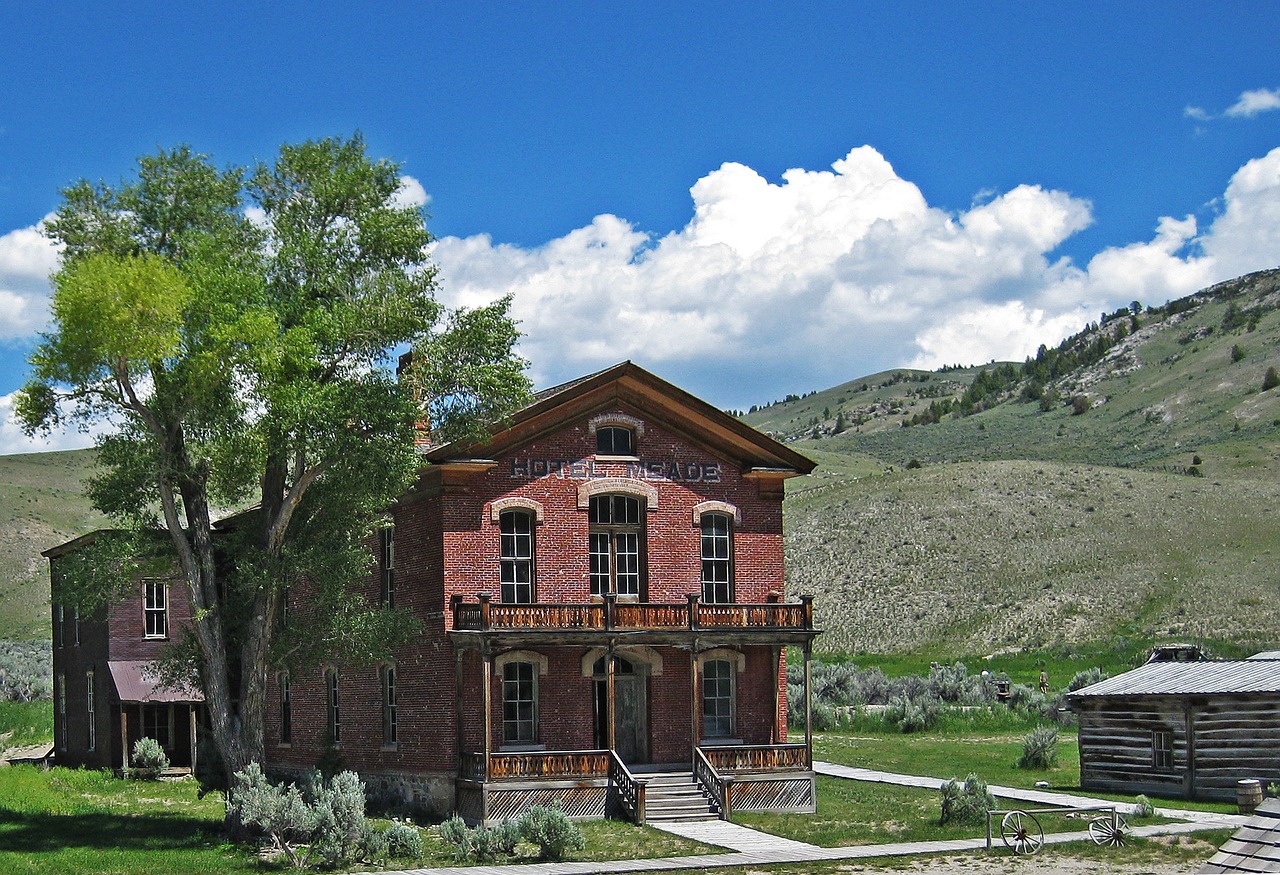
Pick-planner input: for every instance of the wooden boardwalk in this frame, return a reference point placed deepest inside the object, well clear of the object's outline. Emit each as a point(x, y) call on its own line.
point(749, 847)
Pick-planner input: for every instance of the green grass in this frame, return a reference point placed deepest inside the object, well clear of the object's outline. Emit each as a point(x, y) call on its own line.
point(25, 723)
point(605, 840)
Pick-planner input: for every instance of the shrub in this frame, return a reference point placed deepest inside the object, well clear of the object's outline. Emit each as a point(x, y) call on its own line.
point(485, 843)
point(913, 715)
point(965, 803)
point(455, 833)
point(825, 717)
point(280, 812)
point(552, 831)
point(148, 759)
point(1237, 353)
point(1143, 807)
point(1088, 677)
point(340, 827)
point(403, 841)
point(1080, 404)
point(1039, 749)
point(1271, 379)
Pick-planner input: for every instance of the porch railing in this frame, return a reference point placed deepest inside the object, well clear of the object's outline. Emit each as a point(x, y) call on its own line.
point(758, 757)
point(630, 790)
point(485, 615)
point(717, 786)
point(514, 766)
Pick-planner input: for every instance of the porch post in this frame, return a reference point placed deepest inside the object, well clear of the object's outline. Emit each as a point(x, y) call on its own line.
point(458, 713)
point(610, 707)
point(778, 732)
point(808, 703)
point(694, 705)
point(124, 736)
point(191, 724)
point(487, 705)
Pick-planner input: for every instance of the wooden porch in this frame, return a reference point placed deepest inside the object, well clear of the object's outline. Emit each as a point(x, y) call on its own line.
point(594, 783)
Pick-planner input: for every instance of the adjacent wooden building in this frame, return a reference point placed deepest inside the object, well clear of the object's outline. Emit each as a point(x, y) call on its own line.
point(1181, 729)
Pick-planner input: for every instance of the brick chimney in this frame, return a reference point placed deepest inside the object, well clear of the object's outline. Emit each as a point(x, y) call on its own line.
point(422, 428)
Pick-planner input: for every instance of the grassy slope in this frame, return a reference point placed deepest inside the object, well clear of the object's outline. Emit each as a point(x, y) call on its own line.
point(42, 503)
point(1048, 530)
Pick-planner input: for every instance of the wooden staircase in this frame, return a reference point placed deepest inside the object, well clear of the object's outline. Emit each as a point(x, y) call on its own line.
point(676, 796)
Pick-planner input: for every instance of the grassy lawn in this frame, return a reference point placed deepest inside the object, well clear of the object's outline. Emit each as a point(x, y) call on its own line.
point(25, 723)
point(605, 840)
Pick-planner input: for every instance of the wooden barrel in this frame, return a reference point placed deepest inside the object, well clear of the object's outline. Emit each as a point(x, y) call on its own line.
point(1248, 795)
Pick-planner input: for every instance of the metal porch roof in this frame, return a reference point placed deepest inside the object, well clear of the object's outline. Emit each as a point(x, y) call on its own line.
point(136, 681)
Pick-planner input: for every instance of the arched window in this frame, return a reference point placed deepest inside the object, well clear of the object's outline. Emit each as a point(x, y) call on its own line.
point(516, 527)
point(717, 698)
point(717, 558)
point(615, 440)
point(390, 721)
point(519, 703)
point(617, 545)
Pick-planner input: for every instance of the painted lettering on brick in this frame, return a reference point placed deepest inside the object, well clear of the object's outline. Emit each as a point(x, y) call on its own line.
point(676, 471)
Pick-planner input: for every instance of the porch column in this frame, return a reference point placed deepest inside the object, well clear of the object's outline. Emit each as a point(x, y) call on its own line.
point(191, 734)
point(124, 736)
point(694, 704)
point(458, 713)
point(610, 729)
point(808, 703)
point(487, 705)
point(779, 730)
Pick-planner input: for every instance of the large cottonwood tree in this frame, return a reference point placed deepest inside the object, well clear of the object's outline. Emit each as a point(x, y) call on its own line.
point(236, 327)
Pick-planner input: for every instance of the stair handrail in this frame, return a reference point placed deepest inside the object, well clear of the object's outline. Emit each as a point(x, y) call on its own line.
point(630, 789)
point(719, 787)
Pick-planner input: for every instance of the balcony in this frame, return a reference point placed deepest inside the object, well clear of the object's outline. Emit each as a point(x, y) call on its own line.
point(773, 621)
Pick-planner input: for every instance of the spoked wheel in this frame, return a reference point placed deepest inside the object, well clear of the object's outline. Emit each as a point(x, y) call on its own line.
point(1022, 832)
point(1107, 832)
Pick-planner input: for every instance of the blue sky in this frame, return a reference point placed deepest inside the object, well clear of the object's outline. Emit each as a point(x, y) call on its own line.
point(749, 199)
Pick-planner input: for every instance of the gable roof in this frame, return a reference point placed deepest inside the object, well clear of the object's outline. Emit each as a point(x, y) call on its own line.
point(629, 384)
point(1189, 679)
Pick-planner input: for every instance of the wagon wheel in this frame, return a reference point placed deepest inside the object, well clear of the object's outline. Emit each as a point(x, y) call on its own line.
point(1022, 832)
point(1106, 832)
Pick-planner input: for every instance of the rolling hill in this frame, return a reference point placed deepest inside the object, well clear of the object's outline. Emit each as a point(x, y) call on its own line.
point(1118, 490)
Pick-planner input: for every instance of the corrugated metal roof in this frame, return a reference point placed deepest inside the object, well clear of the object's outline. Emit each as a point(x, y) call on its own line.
point(1190, 679)
point(1267, 654)
point(136, 681)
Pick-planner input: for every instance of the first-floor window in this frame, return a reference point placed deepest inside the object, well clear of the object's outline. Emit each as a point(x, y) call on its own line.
point(157, 724)
point(1162, 749)
point(717, 698)
point(286, 709)
point(334, 711)
point(62, 711)
point(519, 703)
point(89, 711)
point(390, 734)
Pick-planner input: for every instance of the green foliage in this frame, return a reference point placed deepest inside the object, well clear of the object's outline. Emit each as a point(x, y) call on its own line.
point(404, 841)
point(1039, 749)
point(552, 831)
point(1143, 808)
point(966, 802)
point(148, 759)
point(482, 843)
point(913, 714)
point(1237, 353)
point(279, 811)
point(1080, 404)
point(26, 670)
point(1270, 379)
point(1088, 677)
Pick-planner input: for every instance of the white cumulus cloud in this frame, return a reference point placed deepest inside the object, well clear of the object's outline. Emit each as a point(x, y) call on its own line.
point(27, 258)
point(1251, 103)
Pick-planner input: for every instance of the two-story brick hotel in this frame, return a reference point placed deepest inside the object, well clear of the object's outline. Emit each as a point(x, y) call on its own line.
point(601, 588)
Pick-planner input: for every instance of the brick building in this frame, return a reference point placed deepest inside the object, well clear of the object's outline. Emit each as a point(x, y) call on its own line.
point(601, 588)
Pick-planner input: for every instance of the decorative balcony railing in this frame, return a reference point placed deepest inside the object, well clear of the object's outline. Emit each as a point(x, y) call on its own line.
point(535, 764)
point(484, 615)
point(758, 757)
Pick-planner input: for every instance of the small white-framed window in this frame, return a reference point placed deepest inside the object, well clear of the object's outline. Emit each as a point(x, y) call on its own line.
point(1162, 749)
point(90, 715)
point(75, 625)
point(519, 703)
point(717, 698)
point(155, 609)
point(286, 708)
point(516, 559)
point(387, 549)
point(615, 440)
point(333, 706)
point(390, 717)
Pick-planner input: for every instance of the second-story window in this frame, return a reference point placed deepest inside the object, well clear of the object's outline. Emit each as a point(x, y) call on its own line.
point(517, 556)
point(334, 711)
point(614, 440)
point(59, 630)
point(717, 558)
point(617, 545)
point(75, 625)
point(388, 562)
point(286, 709)
point(155, 609)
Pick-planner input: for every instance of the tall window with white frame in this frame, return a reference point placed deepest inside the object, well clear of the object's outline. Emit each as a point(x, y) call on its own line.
point(717, 698)
point(59, 616)
point(516, 527)
point(155, 609)
point(390, 720)
point(388, 551)
point(334, 710)
point(90, 715)
point(75, 625)
point(62, 711)
point(717, 558)
point(519, 703)
point(617, 545)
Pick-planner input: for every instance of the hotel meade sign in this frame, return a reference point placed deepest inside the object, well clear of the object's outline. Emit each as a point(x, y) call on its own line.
point(675, 471)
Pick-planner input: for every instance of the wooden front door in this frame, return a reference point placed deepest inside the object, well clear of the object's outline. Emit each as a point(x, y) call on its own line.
point(631, 710)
